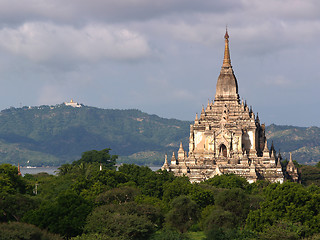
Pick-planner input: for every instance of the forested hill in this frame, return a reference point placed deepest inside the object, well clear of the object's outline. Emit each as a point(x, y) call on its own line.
point(53, 135)
point(303, 142)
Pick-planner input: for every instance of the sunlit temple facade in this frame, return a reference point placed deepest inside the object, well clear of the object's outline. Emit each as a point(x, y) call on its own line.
point(227, 138)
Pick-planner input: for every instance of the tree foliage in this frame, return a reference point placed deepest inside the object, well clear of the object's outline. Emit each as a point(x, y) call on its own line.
point(10, 181)
point(103, 157)
point(54, 135)
point(14, 206)
point(24, 231)
point(228, 181)
point(65, 216)
point(134, 202)
point(151, 183)
point(290, 202)
point(183, 213)
point(126, 221)
point(118, 195)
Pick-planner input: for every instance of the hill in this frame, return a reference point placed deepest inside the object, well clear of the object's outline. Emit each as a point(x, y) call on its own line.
point(53, 135)
point(303, 142)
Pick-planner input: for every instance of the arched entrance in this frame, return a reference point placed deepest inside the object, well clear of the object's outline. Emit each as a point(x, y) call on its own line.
point(223, 150)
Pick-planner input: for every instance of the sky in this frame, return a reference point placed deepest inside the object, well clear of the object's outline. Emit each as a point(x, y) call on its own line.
point(162, 57)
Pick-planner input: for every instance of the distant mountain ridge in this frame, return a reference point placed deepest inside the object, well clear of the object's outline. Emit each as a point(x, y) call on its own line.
point(53, 135)
point(302, 142)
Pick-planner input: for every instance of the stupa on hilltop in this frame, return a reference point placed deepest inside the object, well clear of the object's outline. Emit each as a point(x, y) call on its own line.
point(227, 138)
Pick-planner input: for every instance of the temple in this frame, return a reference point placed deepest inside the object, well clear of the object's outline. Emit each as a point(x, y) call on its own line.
point(227, 138)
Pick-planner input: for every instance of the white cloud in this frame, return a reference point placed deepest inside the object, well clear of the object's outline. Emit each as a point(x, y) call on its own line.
point(274, 47)
point(46, 42)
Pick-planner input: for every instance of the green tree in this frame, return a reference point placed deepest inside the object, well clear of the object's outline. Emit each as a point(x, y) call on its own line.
point(96, 182)
point(151, 183)
point(220, 219)
point(104, 157)
point(183, 214)
point(281, 230)
point(289, 202)
point(235, 201)
point(14, 206)
point(310, 175)
point(202, 196)
point(127, 221)
point(96, 236)
point(217, 233)
point(228, 181)
point(65, 216)
point(65, 169)
point(118, 195)
point(10, 181)
point(50, 186)
point(179, 186)
point(24, 231)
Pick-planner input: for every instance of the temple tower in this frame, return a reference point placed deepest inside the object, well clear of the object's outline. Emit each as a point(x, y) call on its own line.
point(227, 137)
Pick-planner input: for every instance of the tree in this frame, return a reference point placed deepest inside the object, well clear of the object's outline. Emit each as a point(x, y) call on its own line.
point(183, 213)
point(291, 202)
point(95, 156)
point(220, 219)
point(10, 181)
point(96, 236)
point(310, 175)
point(179, 186)
point(64, 169)
point(281, 230)
point(118, 195)
point(96, 182)
point(228, 181)
point(151, 183)
point(217, 233)
point(235, 201)
point(24, 231)
point(14, 206)
point(65, 216)
point(203, 197)
point(128, 221)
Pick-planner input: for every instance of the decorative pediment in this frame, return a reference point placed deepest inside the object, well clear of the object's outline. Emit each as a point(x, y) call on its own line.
point(223, 133)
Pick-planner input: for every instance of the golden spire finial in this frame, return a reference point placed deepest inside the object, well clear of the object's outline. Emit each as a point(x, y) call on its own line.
point(226, 59)
point(19, 172)
point(181, 147)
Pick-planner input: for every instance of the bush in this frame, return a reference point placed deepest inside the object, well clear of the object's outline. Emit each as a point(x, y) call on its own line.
point(24, 231)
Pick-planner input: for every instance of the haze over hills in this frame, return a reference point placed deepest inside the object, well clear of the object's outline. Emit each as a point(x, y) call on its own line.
point(53, 135)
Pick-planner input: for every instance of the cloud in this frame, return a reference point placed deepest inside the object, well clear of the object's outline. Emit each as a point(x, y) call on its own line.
point(71, 11)
point(45, 42)
point(84, 49)
point(283, 9)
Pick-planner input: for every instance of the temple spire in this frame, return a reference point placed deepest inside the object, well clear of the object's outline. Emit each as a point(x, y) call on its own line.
point(227, 86)
point(226, 59)
point(19, 172)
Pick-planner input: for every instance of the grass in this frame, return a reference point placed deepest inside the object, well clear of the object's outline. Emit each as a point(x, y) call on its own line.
point(196, 235)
